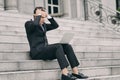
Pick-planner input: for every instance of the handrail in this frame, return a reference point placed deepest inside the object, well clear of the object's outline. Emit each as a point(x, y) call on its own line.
point(104, 6)
point(96, 11)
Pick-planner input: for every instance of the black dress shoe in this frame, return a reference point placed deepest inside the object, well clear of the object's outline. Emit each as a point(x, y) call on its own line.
point(68, 77)
point(80, 76)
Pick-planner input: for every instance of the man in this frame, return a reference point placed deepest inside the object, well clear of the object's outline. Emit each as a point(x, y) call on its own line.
point(41, 50)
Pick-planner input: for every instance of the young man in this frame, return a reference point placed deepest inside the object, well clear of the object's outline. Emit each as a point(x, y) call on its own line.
point(41, 50)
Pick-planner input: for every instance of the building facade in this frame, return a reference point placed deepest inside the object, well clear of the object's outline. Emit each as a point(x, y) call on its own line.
point(66, 8)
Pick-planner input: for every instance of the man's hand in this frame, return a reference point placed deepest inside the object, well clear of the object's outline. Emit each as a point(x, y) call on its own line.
point(40, 12)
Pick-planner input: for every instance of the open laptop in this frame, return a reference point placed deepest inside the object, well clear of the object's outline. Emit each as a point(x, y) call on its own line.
point(67, 37)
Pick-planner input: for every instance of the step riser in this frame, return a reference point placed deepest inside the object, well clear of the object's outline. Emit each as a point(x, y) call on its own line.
point(25, 56)
point(102, 72)
point(90, 33)
point(46, 65)
point(14, 56)
point(30, 76)
point(40, 75)
point(116, 78)
point(14, 19)
point(15, 15)
point(83, 48)
point(76, 41)
point(96, 48)
point(79, 32)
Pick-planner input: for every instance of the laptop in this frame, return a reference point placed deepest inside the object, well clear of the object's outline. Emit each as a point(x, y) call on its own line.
point(67, 37)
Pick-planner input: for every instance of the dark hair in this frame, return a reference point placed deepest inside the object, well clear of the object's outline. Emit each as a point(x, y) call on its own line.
point(42, 8)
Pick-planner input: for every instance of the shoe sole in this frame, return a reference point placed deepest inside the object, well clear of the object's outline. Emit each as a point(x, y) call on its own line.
point(85, 79)
point(82, 79)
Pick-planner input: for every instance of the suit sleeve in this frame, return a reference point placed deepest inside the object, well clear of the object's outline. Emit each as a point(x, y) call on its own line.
point(53, 24)
point(30, 25)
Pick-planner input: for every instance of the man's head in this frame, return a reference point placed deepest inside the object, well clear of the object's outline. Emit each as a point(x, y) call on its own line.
point(40, 10)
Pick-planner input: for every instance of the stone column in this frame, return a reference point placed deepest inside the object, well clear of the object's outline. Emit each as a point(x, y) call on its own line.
point(11, 5)
point(73, 6)
point(1, 4)
point(80, 10)
point(26, 6)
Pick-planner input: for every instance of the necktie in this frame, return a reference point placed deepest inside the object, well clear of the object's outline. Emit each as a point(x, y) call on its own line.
point(42, 28)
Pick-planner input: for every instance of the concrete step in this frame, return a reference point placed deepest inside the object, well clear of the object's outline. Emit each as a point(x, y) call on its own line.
point(21, 65)
point(23, 47)
point(96, 41)
point(79, 25)
point(22, 29)
point(60, 33)
point(13, 39)
point(80, 55)
point(111, 77)
point(15, 14)
point(23, 39)
point(23, 17)
point(76, 27)
point(8, 47)
point(54, 39)
point(8, 30)
point(61, 21)
point(13, 19)
point(12, 33)
point(15, 56)
point(27, 17)
point(10, 23)
point(30, 75)
point(98, 32)
point(54, 74)
point(94, 48)
point(65, 27)
point(84, 55)
point(11, 28)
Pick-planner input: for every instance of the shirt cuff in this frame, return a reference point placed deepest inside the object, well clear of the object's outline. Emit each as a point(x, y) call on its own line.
point(39, 14)
point(49, 17)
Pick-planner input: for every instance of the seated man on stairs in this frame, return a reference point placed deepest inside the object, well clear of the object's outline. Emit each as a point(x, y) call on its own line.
point(41, 50)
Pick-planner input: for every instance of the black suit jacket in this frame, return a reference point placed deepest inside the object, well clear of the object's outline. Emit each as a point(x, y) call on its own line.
point(36, 35)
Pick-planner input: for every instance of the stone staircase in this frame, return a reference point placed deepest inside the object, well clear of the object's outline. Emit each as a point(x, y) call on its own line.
point(96, 48)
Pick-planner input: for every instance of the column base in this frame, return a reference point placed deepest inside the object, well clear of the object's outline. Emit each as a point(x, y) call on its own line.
point(15, 11)
point(1, 9)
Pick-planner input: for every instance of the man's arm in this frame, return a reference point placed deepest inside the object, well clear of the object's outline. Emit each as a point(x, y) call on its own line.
point(53, 24)
point(37, 20)
point(31, 25)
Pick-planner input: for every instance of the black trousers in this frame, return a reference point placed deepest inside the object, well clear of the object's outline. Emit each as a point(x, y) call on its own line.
point(58, 51)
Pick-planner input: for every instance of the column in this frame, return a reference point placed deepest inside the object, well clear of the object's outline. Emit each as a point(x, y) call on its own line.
point(73, 6)
point(80, 10)
point(1, 4)
point(26, 6)
point(11, 5)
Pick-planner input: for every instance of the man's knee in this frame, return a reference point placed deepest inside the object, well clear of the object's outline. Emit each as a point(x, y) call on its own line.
point(68, 45)
point(58, 46)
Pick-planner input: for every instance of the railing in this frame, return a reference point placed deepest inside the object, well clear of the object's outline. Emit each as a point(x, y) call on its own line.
point(96, 11)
